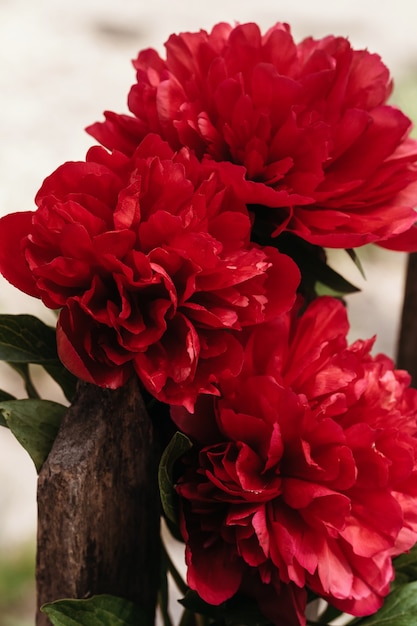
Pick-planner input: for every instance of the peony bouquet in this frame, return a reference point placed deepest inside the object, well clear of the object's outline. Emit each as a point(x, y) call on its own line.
point(187, 252)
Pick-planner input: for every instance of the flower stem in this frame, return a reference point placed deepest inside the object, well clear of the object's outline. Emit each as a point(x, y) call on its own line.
point(178, 579)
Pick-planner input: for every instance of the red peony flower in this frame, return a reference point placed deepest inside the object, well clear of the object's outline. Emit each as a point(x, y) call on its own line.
point(305, 470)
point(300, 129)
point(149, 260)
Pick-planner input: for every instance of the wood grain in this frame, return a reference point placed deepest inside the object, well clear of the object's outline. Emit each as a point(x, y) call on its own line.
point(98, 505)
point(407, 344)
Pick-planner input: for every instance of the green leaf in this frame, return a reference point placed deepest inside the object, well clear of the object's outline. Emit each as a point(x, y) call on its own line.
point(324, 290)
point(311, 259)
point(406, 567)
point(195, 604)
point(163, 593)
point(178, 445)
point(356, 260)
point(234, 612)
point(334, 282)
point(329, 614)
point(35, 424)
point(101, 610)
point(169, 566)
point(399, 609)
point(4, 396)
point(25, 339)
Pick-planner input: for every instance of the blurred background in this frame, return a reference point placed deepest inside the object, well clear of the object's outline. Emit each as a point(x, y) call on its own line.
point(62, 64)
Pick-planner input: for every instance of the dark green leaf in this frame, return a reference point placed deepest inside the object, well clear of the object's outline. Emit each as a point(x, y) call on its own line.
point(163, 593)
point(173, 527)
point(356, 260)
point(178, 445)
point(25, 339)
point(324, 290)
point(35, 424)
point(4, 396)
point(329, 614)
point(406, 567)
point(326, 276)
point(169, 566)
point(102, 610)
point(236, 611)
point(194, 603)
point(399, 609)
point(312, 263)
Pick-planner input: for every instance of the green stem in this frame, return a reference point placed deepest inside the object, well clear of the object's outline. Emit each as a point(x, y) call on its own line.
point(178, 579)
point(23, 370)
point(163, 594)
point(166, 618)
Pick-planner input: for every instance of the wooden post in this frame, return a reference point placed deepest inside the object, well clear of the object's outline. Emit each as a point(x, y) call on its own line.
point(407, 345)
point(98, 505)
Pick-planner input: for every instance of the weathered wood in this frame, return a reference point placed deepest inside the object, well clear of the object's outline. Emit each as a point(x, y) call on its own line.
point(407, 345)
point(98, 507)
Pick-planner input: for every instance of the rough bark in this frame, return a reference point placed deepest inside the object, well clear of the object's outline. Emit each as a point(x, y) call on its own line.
point(407, 345)
point(98, 508)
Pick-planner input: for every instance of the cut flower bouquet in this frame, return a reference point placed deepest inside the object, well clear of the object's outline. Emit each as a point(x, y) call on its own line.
point(187, 252)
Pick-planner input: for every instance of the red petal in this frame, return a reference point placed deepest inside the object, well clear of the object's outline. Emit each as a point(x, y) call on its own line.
point(404, 242)
point(215, 573)
point(13, 230)
point(70, 335)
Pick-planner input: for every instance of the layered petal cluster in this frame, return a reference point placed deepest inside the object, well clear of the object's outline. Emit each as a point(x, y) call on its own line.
point(305, 469)
point(149, 260)
point(302, 131)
